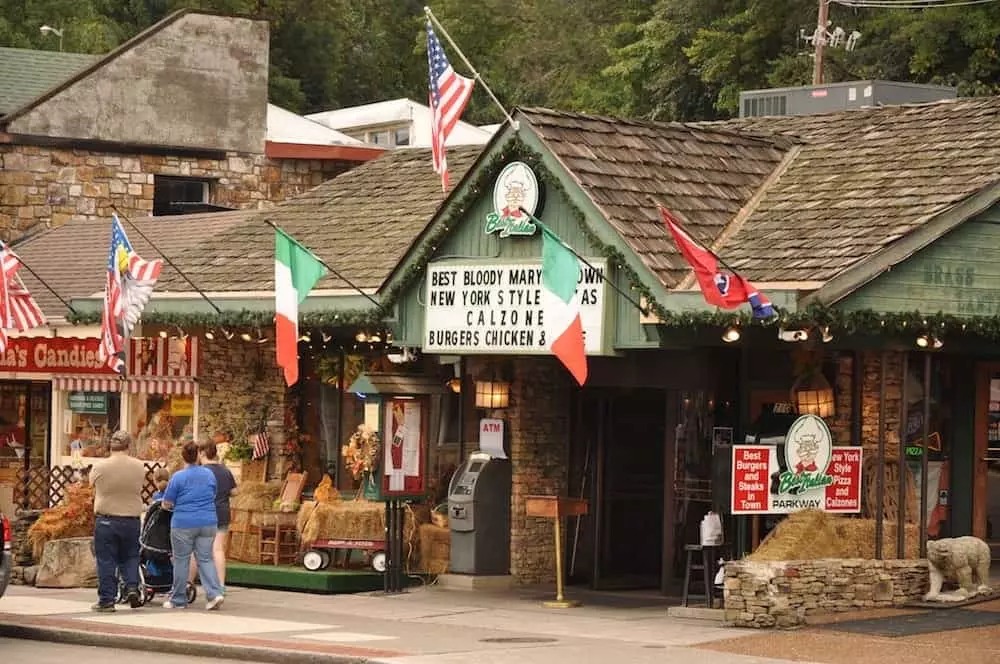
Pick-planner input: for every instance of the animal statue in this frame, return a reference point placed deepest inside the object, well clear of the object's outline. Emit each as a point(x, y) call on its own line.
point(964, 560)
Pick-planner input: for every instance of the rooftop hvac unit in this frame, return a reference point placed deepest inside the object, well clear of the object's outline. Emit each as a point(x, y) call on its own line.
point(838, 97)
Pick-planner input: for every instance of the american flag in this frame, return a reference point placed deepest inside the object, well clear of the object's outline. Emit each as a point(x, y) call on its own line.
point(449, 93)
point(18, 310)
point(261, 444)
point(130, 283)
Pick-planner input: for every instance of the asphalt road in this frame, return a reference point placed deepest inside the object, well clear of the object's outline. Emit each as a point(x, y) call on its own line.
point(40, 652)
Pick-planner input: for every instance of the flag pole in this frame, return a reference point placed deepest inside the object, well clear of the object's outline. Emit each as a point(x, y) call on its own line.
point(319, 260)
point(42, 281)
point(643, 310)
point(166, 258)
point(475, 74)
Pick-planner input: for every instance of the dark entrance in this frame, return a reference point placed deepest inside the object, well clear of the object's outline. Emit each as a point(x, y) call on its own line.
point(620, 440)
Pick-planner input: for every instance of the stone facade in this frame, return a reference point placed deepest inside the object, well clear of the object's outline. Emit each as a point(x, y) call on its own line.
point(44, 185)
point(871, 398)
point(840, 423)
point(239, 382)
point(782, 594)
point(539, 437)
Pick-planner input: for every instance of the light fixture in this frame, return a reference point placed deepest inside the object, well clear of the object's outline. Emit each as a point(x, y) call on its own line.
point(209, 334)
point(375, 338)
point(163, 334)
point(326, 338)
point(732, 334)
point(827, 335)
point(929, 341)
point(48, 29)
point(305, 337)
point(246, 336)
point(227, 334)
point(492, 394)
point(793, 335)
point(813, 395)
point(361, 337)
point(455, 382)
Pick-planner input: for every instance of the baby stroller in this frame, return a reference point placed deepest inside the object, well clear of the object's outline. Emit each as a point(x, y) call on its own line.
point(156, 571)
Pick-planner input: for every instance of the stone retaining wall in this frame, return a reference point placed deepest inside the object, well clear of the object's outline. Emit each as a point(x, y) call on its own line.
point(782, 594)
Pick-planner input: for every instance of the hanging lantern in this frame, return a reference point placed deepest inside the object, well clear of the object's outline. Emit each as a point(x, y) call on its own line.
point(492, 394)
point(813, 395)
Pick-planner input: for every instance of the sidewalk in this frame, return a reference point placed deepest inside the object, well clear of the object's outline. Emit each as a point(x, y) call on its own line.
point(421, 626)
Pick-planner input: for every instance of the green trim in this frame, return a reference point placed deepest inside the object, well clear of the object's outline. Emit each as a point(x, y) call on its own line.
point(244, 318)
point(850, 280)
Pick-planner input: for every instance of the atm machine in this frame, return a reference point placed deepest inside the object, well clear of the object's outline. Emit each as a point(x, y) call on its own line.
point(479, 516)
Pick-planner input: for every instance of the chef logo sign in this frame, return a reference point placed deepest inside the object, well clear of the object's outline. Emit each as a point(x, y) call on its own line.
point(805, 472)
point(516, 188)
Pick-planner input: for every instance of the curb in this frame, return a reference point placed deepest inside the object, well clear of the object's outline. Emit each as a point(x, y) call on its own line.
point(239, 653)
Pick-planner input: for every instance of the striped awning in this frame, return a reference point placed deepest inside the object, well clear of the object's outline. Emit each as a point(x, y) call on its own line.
point(87, 383)
point(160, 385)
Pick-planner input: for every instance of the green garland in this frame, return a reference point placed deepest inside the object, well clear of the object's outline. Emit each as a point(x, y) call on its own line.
point(838, 322)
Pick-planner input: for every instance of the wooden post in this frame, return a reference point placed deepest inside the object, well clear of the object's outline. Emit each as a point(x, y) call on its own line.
point(880, 459)
point(901, 488)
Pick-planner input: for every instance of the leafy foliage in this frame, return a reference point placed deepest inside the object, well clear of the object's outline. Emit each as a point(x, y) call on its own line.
point(663, 59)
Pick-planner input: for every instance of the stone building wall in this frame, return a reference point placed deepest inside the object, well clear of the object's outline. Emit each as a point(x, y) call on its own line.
point(782, 594)
point(871, 387)
point(44, 185)
point(238, 380)
point(840, 423)
point(539, 436)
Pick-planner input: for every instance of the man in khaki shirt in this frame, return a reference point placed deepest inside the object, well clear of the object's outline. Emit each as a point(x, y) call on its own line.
point(117, 482)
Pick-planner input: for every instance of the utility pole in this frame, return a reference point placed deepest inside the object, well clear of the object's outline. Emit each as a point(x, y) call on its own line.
point(819, 40)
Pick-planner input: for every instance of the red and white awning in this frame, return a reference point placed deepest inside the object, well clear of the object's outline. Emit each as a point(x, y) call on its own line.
point(160, 385)
point(87, 383)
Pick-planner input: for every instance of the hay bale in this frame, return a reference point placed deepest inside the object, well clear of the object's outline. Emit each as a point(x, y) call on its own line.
point(356, 519)
point(814, 535)
point(305, 512)
point(256, 496)
point(435, 548)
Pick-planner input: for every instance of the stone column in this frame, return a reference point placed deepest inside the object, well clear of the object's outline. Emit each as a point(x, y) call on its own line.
point(539, 436)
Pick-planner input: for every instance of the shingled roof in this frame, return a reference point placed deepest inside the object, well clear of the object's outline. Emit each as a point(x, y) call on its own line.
point(26, 74)
point(863, 179)
point(702, 174)
point(360, 222)
point(73, 258)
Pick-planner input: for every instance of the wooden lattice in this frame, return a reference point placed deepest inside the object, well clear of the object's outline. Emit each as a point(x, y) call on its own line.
point(42, 488)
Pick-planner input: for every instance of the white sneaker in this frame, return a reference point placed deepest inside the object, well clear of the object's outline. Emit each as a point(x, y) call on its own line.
point(214, 603)
point(170, 605)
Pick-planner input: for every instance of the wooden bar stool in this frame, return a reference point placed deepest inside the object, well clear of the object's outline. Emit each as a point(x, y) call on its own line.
point(706, 565)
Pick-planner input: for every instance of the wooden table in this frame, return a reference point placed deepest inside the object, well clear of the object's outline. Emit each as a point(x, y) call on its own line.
point(556, 507)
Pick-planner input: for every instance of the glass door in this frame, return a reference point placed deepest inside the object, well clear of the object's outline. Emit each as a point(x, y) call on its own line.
point(991, 463)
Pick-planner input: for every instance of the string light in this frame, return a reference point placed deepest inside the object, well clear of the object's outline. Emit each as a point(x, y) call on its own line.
point(209, 334)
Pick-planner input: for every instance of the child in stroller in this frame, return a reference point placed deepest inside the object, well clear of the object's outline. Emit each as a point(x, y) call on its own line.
point(156, 571)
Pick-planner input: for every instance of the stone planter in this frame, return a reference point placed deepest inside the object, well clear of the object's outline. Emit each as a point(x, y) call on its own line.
point(68, 563)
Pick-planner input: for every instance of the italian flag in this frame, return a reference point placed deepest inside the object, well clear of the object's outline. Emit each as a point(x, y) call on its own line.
point(296, 271)
point(560, 273)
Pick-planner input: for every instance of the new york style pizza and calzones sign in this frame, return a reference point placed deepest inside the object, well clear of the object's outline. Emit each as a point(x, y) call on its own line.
point(806, 472)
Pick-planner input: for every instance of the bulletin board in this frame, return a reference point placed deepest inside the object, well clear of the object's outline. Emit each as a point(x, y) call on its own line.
point(404, 458)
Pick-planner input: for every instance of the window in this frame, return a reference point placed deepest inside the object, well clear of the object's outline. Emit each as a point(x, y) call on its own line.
point(379, 137)
point(89, 419)
point(173, 195)
point(159, 423)
point(402, 136)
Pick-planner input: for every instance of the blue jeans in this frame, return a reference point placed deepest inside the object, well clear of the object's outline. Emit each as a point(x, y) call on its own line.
point(198, 541)
point(116, 548)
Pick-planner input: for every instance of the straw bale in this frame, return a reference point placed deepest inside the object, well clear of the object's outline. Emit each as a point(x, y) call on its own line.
point(305, 512)
point(256, 496)
point(435, 548)
point(814, 535)
point(357, 519)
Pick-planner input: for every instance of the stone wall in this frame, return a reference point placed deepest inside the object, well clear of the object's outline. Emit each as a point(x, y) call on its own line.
point(871, 387)
point(238, 380)
point(44, 185)
point(782, 594)
point(843, 385)
point(539, 436)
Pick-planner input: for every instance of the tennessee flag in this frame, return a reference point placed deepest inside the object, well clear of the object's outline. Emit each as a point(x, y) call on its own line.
point(725, 289)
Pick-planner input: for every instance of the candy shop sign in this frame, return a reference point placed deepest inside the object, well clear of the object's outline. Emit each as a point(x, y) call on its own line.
point(52, 355)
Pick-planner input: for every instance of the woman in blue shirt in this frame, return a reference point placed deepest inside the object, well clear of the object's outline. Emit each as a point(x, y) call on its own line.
point(190, 495)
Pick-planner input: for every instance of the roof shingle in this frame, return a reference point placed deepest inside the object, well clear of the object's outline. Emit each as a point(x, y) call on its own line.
point(704, 175)
point(360, 222)
point(26, 74)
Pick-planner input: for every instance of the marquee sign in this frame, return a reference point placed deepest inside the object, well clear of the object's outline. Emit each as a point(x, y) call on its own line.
point(516, 187)
point(806, 472)
point(497, 308)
